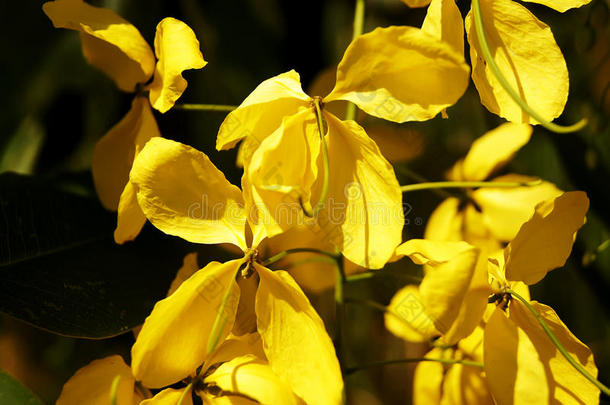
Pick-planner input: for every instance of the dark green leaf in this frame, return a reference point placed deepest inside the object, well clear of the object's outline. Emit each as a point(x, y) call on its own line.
point(12, 392)
point(60, 269)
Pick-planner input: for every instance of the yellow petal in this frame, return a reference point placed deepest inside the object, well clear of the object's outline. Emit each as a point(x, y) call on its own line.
point(445, 222)
point(177, 50)
point(262, 111)
point(406, 316)
point(450, 271)
point(473, 305)
point(400, 74)
point(182, 193)
point(295, 341)
point(173, 340)
point(170, 396)
point(561, 5)
point(515, 374)
point(114, 153)
point(566, 385)
point(416, 3)
point(283, 171)
point(465, 385)
point(189, 267)
point(364, 202)
point(92, 384)
point(110, 43)
point(236, 346)
point(253, 378)
point(428, 380)
point(130, 219)
point(535, 68)
point(492, 150)
point(504, 210)
point(545, 241)
point(444, 21)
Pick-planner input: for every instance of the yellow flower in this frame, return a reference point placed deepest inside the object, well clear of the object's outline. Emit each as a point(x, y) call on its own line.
point(113, 45)
point(522, 46)
point(521, 362)
point(182, 193)
point(451, 298)
point(396, 73)
point(501, 211)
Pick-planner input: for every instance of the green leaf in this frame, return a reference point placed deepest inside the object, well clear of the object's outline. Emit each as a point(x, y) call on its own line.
point(22, 150)
point(12, 392)
point(60, 269)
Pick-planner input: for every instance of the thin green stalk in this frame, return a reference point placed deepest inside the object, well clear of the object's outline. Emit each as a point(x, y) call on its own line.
point(187, 390)
point(281, 255)
point(466, 184)
point(558, 344)
point(381, 363)
point(205, 107)
point(376, 273)
point(350, 112)
point(114, 389)
point(220, 321)
point(489, 59)
point(326, 170)
point(340, 311)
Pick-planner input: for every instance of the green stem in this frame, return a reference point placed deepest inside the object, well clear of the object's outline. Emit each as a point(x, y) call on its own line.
point(365, 366)
point(114, 389)
point(467, 184)
point(187, 390)
point(558, 344)
point(281, 255)
point(350, 112)
point(205, 107)
point(311, 212)
point(220, 321)
point(340, 311)
point(376, 273)
point(489, 59)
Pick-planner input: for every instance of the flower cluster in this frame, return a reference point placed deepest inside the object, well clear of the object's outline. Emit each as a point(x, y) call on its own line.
point(315, 183)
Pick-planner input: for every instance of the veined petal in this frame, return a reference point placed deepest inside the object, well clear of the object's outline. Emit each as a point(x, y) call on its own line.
point(283, 171)
point(444, 21)
point(534, 68)
point(400, 74)
point(406, 316)
point(561, 5)
point(130, 218)
point(110, 43)
point(262, 111)
point(545, 241)
point(92, 384)
point(492, 150)
point(515, 373)
point(236, 346)
point(182, 193)
point(173, 340)
point(445, 222)
point(450, 271)
point(253, 378)
point(295, 341)
point(565, 384)
point(114, 153)
point(364, 206)
point(504, 210)
point(170, 396)
point(177, 50)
